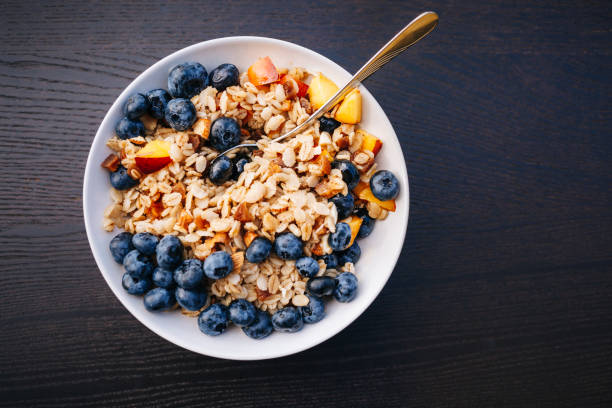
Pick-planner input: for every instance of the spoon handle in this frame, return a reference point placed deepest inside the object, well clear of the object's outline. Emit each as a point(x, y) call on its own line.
point(409, 35)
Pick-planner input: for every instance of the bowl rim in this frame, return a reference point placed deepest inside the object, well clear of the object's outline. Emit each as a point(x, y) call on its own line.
point(308, 342)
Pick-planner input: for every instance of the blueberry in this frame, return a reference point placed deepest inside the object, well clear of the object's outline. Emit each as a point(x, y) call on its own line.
point(328, 124)
point(384, 185)
point(346, 287)
point(128, 128)
point(314, 311)
point(344, 204)
point(224, 133)
point(136, 106)
point(220, 170)
point(138, 265)
point(261, 327)
point(191, 299)
point(288, 319)
point(288, 246)
point(180, 114)
point(158, 99)
point(225, 75)
point(350, 254)
point(331, 260)
point(159, 299)
point(321, 286)
point(164, 278)
point(238, 165)
point(367, 224)
point(242, 312)
point(169, 252)
point(187, 80)
point(307, 267)
point(120, 245)
point(121, 180)
point(218, 265)
point(135, 286)
point(340, 239)
point(190, 274)
point(214, 319)
point(350, 174)
point(145, 242)
point(259, 250)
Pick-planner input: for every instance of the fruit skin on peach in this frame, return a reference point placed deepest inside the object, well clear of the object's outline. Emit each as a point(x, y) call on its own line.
point(154, 156)
point(364, 192)
point(321, 89)
point(349, 110)
point(262, 72)
point(370, 142)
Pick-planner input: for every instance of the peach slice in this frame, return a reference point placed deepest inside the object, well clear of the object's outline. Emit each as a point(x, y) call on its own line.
point(349, 110)
point(321, 89)
point(364, 192)
point(263, 72)
point(355, 223)
point(249, 236)
point(370, 142)
point(154, 156)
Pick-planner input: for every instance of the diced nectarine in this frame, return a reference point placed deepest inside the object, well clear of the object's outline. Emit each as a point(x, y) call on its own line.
point(349, 110)
point(302, 88)
point(154, 156)
point(364, 192)
point(370, 142)
point(321, 89)
point(263, 72)
point(355, 223)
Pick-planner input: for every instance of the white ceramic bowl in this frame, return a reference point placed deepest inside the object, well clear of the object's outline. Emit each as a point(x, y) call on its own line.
point(380, 250)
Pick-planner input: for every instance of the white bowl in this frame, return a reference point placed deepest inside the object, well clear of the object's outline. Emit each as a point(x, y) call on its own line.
point(380, 250)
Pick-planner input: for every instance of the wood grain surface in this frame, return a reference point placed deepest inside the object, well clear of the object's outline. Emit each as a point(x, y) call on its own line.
point(502, 296)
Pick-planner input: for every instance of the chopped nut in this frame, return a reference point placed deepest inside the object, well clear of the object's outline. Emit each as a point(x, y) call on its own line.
point(238, 259)
point(111, 163)
point(325, 189)
point(362, 160)
point(317, 250)
point(242, 213)
point(262, 294)
point(138, 141)
point(343, 142)
point(155, 210)
point(201, 223)
point(185, 219)
point(290, 87)
point(286, 105)
point(135, 174)
point(245, 133)
point(324, 164)
point(219, 238)
point(195, 141)
point(202, 128)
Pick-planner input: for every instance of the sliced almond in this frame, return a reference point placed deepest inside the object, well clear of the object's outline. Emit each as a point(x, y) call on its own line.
point(242, 213)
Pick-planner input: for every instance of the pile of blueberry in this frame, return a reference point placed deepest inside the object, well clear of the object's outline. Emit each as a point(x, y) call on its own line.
point(157, 269)
point(175, 109)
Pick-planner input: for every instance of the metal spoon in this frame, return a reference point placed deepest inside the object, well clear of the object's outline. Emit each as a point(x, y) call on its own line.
point(409, 35)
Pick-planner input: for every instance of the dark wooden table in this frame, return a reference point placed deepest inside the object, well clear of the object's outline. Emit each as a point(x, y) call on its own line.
point(502, 296)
